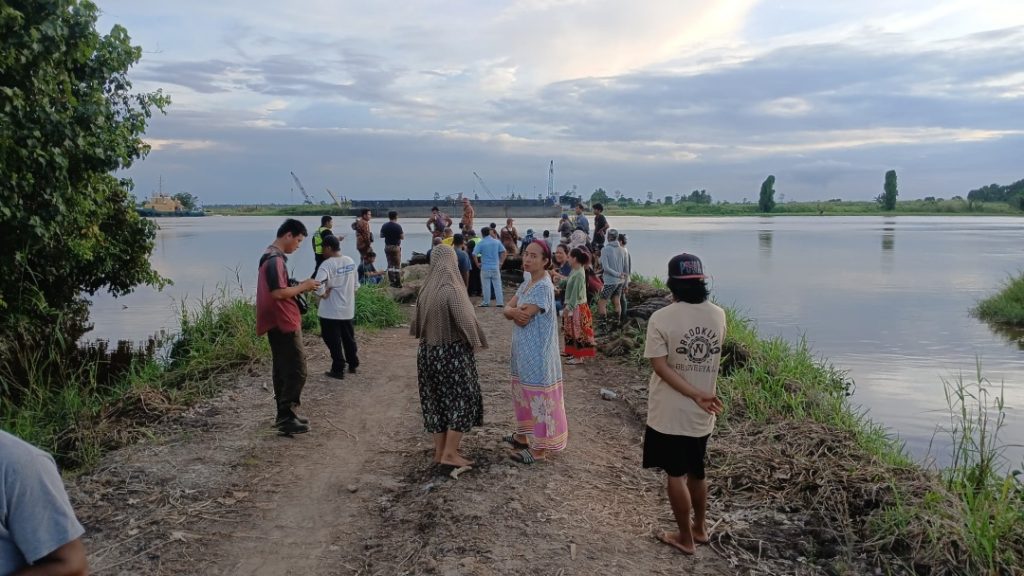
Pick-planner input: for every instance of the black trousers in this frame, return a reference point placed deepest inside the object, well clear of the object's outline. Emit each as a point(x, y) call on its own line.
point(340, 338)
point(289, 373)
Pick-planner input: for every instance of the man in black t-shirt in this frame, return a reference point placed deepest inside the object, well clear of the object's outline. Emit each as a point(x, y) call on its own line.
point(600, 226)
point(393, 235)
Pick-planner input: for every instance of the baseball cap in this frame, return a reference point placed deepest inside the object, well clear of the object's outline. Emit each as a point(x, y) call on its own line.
point(685, 267)
point(613, 234)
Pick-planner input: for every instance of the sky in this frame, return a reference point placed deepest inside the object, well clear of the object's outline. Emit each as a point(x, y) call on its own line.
point(380, 100)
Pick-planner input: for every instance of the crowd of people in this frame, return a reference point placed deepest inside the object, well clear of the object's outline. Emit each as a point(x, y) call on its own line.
point(551, 320)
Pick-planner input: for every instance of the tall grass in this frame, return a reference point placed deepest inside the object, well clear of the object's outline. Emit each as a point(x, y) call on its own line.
point(1006, 306)
point(992, 502)
point(51, 398)
point(375, 308)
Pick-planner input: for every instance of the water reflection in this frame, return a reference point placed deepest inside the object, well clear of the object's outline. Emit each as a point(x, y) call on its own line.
point(764, 243)
point(1011, 334)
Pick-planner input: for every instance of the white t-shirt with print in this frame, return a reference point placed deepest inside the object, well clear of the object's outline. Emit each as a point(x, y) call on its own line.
point(691, 336)
point(340, 275)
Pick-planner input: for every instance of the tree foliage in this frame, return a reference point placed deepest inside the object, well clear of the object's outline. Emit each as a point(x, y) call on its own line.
point(889, 192)
point(766, 201)
point(190, 202)
point(599, 195)
point(1012, 194)
point(699, 197)
point(68, 120)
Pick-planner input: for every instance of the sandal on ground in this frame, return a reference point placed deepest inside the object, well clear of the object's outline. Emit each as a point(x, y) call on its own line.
point(511, 439)
point(524, 457)
point(574, 361)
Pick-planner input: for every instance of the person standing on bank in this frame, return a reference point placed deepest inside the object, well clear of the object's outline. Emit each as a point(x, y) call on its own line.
point(337, 309)
point(614, 274)
point(577, 322)
point(364, 238)
point(437, 222)
point(459, 244)
point(534, 364)
point(581, 222)
point(325, 229)
point(684, 344)
point(490, 255)
point(393, 235)
point(468, 213)
point(449, 333)
point(510, 237)
point(600, 226)
point(277, 316)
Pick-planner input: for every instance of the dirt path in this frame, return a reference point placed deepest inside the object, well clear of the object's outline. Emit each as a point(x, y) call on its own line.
point(217, 492)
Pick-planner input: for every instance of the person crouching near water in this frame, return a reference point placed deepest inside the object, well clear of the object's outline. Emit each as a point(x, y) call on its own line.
point(684, 344)
point(449, 333)
point(577, 322)
point(534, 364)
point(337, 309)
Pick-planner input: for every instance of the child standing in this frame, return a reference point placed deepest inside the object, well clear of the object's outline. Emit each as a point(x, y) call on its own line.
point(337, 277)
point(577, 322)
point(684, 343)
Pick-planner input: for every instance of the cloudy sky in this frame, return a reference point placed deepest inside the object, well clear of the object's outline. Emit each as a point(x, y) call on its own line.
point(404, 99)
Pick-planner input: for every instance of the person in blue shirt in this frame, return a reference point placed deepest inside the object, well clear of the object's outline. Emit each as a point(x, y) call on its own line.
point(368, 273)
point(490, 255)
point(581, 220)
point(459, 243)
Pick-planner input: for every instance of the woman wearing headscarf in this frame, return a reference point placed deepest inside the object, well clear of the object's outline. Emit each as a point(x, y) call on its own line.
point(535, 366)
point(448, 330)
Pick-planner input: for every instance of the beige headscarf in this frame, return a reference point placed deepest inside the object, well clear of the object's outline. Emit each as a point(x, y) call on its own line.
point(444, 313)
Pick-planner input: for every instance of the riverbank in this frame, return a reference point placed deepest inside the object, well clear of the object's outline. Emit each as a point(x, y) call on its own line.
point(801, 484)
point(87, 400)
point(1006, 307)
point(818, 208)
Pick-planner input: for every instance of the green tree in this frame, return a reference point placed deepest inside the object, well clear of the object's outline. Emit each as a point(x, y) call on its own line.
point(68, 120)
point(888, 197)
point(766, 201)
point(188, 201)
point(668, 200)
point(599, 195)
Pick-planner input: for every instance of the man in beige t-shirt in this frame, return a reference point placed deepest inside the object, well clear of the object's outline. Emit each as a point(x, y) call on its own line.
point(684, 343)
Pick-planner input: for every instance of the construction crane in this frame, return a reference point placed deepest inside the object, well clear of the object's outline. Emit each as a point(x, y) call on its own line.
point(309, 199)
point(484, 186)
point(333, 197)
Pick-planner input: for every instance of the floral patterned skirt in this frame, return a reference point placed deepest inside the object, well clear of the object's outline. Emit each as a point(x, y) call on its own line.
point(578, 329)
point(449, 387)
point(540, 414)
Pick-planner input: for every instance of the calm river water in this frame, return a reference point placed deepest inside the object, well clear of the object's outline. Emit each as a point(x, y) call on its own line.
point(886, 299)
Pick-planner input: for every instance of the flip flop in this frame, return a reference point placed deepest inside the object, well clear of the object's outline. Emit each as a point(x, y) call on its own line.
point(511, 439)
point(524, 457)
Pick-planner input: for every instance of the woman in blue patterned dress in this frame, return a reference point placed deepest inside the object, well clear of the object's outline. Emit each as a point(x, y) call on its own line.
point(535, 365)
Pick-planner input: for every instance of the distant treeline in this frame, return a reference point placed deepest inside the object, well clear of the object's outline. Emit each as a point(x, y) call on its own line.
point(1012, 194)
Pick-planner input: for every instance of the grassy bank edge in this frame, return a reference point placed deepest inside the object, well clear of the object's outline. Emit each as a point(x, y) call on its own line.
point(65, 410)
point(969, 517)
point(1005, 307)
point(824, 208)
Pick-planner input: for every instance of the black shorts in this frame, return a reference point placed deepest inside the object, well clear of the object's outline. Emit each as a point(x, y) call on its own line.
point(676, 455)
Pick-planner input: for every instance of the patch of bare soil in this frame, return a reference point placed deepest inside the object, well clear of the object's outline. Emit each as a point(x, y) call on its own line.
point(216, 491)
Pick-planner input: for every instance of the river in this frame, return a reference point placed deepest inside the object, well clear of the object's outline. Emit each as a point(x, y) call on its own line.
point(885, 298)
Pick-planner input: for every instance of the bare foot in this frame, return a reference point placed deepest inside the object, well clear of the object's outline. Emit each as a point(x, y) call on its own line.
point(456, 460)
point(673, 540)
point(700, 536)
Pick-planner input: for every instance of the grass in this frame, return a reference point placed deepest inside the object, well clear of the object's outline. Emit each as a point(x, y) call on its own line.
point(76, 406)
point(375, 309)
point(967, 518)
point(1005, 307)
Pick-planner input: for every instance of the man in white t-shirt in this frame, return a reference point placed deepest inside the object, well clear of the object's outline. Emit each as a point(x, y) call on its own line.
point(684, 343)
point(337, 276)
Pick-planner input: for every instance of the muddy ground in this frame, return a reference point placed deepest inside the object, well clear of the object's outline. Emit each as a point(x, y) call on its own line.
point(216, 491)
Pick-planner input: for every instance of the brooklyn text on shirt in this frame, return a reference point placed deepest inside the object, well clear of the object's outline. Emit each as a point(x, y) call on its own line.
point(699, 344)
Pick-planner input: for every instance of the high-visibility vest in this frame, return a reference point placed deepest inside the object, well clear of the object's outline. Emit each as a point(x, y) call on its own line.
point(318, 240)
